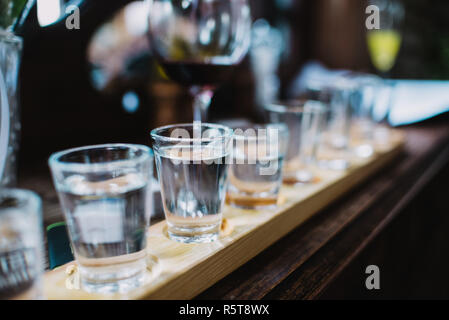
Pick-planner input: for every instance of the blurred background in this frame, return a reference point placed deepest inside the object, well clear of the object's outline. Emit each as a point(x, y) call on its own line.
point(95, 80)
point(100, 83)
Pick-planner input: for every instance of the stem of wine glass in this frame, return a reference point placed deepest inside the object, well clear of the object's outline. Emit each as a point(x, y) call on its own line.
point(201, 102)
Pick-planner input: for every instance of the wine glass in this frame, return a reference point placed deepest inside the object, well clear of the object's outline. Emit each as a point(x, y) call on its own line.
point(384, 45)
point(198, 42)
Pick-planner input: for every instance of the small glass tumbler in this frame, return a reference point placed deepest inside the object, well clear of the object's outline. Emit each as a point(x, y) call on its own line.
point(105, 194)
point(21, 245)
point(333, 152)
point(192, 164)
point(363, 101)
point(384, 100)
point(304, 119)
point(255, 174)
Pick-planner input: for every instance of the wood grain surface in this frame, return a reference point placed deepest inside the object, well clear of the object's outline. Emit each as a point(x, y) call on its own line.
point(182, 271)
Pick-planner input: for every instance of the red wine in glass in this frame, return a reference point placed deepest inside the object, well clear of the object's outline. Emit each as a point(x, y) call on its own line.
point(199, 42)
point(197, 73)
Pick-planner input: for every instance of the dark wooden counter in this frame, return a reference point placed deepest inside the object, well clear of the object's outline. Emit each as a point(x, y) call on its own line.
point(398, 220)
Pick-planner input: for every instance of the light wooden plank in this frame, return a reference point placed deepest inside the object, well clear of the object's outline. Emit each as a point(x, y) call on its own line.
point(182, 271)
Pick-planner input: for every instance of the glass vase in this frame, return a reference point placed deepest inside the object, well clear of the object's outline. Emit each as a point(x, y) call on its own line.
point(10, 53)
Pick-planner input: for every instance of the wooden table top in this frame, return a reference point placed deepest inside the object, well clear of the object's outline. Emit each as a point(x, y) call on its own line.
point(306, 262)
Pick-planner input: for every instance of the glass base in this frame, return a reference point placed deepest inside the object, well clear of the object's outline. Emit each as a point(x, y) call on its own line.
point(247, 202)
point(117, 286)
point(203, 234)
point(299, 177)
point(119, 277)
point(204, 238)
point(258, 208)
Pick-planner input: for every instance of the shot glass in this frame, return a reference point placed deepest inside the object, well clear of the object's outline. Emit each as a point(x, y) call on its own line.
point(333, 152)
point(363, 102)
point(105, 194)
point(192, 165)
point(255, 173)
point(304, 119)
point(21, 245)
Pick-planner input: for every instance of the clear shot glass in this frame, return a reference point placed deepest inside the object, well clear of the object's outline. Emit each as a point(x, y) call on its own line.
point(21, 245)
point(304, 119)
point(192, 164)
point(334, 152)
point(367, 88)
point(255, 174)
point(105, 194)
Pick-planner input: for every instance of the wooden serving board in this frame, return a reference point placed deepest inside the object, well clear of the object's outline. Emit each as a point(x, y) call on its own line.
point(182, 271)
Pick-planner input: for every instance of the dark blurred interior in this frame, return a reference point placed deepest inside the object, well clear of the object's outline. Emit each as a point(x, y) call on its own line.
point(67, 100)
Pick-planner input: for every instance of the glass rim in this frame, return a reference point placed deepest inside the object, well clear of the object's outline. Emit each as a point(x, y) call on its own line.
point(296, 106)
point(31, 198)
point(55, 162)
point(363, 78)
point(257, 126)
point(228, 132)
point(339, 81)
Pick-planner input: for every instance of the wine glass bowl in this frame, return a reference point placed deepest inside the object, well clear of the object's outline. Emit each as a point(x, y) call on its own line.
point(384, 43)
point(197, 43)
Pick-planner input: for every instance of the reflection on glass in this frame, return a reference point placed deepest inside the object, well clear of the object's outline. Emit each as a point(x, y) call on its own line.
point(52, 11)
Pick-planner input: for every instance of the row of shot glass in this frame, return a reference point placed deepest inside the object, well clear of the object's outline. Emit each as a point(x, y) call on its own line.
point(105, 190)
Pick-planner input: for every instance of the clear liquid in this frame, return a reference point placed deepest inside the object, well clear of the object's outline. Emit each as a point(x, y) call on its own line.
point(20, 251)
point(107, 221)
point(18, 273)
point(193, 186)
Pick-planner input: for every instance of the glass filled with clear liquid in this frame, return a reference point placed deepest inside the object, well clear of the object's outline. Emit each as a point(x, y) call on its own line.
point(337, 94)
point(21, 245)
point(106, 198)
point(255, 175)
point(192, 164)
